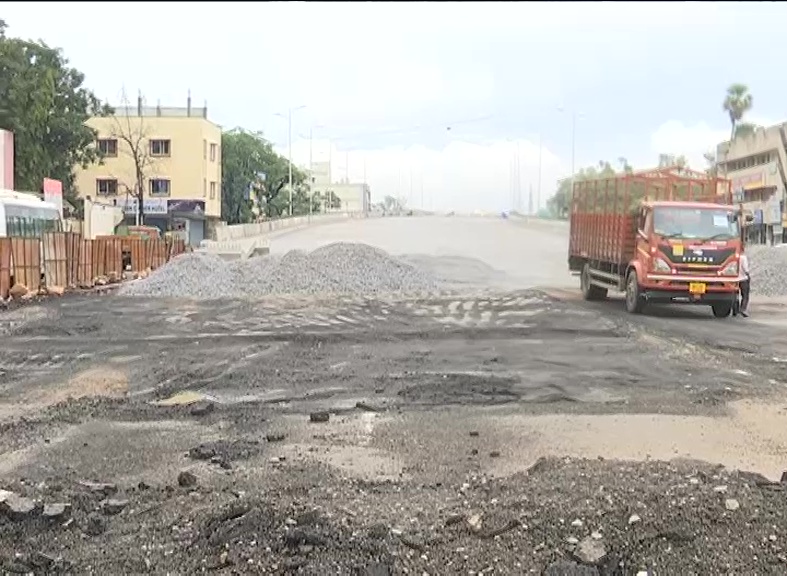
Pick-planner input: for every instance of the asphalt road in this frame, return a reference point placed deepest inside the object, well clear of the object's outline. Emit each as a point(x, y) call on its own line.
point(441, 411)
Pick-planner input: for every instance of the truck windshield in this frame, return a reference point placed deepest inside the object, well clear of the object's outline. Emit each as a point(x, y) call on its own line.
point(695, 223)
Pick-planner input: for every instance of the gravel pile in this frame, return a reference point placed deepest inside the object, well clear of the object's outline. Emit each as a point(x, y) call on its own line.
point(768, 270)
point(340, 268)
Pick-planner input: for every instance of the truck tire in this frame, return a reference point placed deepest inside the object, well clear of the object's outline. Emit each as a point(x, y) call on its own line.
point(589, 291)
point(634, 301)
point(722, 309)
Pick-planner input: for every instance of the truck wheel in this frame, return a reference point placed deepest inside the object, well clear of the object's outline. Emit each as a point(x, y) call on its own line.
point(721, 310)
point(589, 291)
point(634, 301)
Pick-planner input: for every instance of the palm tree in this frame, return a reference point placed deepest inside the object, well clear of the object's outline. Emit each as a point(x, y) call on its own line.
point(625, 166)
point(736, 103)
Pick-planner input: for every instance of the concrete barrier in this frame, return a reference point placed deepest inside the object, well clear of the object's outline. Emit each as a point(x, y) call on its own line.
point(543, 222)
point(226, 232)
point(241, 241)
point(236, 249)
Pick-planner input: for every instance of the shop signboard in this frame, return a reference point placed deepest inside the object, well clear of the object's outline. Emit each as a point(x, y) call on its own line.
point(150, 206)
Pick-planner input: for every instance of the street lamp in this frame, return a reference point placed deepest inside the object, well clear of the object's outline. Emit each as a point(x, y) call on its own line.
point(540, 166)
point(288, 117)
point(573, 141)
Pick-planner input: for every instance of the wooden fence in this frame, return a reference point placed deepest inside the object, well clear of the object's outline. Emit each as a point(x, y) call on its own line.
point(64, 260)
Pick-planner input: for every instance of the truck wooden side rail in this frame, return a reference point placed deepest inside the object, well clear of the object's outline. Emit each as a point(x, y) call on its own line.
point(660, 236)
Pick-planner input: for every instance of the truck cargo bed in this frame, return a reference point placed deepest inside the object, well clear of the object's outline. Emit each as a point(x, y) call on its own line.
point(605, 212)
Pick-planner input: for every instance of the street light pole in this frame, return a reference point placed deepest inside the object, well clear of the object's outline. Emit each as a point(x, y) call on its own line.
point(540, 164)
point(573, 143)
point(573, 148)
point(311, 171)
point(289, 146)
point(289, 153)
point(518, 200)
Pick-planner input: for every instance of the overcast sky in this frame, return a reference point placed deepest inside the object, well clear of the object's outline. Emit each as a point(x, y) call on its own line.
point(437, 94)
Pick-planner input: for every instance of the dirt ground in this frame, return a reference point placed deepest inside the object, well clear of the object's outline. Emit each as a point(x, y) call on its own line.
point(501, 431)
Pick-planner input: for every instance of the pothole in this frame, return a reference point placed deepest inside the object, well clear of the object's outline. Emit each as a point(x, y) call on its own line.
point(467, 388)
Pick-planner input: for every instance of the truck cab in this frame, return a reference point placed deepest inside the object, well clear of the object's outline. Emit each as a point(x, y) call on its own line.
point(686, 252)
point(660, 236)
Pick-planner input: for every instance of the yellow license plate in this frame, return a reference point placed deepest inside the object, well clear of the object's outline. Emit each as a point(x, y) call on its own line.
point(697, 287)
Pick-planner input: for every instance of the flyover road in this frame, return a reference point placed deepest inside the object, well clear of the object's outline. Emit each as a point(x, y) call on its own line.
point(438, 412)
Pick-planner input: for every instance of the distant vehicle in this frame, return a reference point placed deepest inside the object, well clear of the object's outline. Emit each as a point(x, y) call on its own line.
point(504, 215)
point(658, 236)
point(27, 215)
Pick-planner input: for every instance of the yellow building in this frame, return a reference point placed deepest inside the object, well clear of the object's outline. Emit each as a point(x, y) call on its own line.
point(179, 153)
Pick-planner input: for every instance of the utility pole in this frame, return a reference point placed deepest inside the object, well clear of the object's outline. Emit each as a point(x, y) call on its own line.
point(518, 179)
point(530, 201)
point(573, 143)
point(329, 192)
point(573, 148)
point(364, 202)
point(410, 195)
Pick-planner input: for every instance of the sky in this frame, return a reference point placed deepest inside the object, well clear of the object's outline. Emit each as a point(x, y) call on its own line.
point(435, 102)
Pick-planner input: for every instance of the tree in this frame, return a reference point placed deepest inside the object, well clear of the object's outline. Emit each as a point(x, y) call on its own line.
point(625, 166)
point(670, 161)
point(331, 200)
point(712, 168)
point(131, 133)
point(392, 205)
point(43, 102)
point(737, 102)
point(558, 206)
point(253, 174)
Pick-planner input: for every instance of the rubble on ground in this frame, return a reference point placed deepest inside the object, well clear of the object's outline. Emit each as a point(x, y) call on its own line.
point(568, 516)
point(340, 268)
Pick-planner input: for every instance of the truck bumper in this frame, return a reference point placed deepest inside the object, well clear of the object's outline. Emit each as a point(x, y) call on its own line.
point(667, 288)
point(686, 297)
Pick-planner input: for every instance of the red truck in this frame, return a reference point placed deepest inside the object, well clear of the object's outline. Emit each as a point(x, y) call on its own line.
point(661, 236)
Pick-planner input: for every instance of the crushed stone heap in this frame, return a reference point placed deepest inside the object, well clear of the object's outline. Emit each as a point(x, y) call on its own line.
point(340, 268)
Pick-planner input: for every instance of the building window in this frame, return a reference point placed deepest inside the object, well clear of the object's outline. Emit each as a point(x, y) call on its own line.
point(159, 147)
point(204, 188)
point(159, 187)
point(749, 162)
point(106, 187)
point(214, 149)
point(204, 149)
point(212, 190)
point(108, 147)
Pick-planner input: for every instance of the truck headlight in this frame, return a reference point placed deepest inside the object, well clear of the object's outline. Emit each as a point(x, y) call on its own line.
point(660, 265)
point(730, 269)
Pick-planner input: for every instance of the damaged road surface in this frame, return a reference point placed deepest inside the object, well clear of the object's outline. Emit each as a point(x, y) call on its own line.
point(497, 433)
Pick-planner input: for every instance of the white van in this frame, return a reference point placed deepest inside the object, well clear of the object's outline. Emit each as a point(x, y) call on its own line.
point(26, 215)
